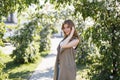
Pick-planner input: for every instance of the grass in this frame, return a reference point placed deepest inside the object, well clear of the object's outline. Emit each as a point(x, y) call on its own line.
point(82, 72)
point(44, 53)
point(19, 71)
point(24, 71)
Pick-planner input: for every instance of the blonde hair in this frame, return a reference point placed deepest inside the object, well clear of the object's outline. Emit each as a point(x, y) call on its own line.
point(70, 25)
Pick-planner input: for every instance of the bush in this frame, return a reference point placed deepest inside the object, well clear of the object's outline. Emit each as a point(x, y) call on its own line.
point(26, 47)
point(45, 39)
point(3, 75)
point(2, 31)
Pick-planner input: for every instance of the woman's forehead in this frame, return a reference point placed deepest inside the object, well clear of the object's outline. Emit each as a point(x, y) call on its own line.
point(66, 25)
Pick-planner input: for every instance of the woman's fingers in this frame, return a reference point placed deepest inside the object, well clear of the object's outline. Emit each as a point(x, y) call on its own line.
point(73, 29)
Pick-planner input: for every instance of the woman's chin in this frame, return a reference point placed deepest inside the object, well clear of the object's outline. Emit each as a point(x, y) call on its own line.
point(67, 34)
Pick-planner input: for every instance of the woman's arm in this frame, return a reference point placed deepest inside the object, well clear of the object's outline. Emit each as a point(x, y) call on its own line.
point(72, 43)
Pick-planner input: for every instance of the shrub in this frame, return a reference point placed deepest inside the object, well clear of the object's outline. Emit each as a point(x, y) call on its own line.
point(2, 31)
point(3, 75)
point(26, 47)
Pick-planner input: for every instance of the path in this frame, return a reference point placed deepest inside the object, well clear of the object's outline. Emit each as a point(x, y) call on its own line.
point(45, 69)
point(8, 49)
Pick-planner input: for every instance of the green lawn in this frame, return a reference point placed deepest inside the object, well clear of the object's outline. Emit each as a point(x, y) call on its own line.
point(24, 71)
point(17, 71)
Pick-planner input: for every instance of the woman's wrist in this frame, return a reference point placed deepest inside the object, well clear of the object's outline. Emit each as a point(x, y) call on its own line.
point(71, 34)
point(72, 31)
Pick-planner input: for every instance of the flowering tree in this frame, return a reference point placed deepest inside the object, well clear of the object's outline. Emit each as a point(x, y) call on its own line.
point(104, 35)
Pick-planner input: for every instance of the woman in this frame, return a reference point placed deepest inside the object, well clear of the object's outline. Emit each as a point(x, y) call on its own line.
point(65, 67)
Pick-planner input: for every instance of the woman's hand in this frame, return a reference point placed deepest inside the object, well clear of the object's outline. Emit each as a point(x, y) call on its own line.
point(72, 31)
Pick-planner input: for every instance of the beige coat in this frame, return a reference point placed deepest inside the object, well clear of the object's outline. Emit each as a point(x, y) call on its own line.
point(66, 60)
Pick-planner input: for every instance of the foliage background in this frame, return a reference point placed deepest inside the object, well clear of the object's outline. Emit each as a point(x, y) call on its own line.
point(100, 43)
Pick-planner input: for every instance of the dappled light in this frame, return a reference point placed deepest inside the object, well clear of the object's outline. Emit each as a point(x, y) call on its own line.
point(31, 32)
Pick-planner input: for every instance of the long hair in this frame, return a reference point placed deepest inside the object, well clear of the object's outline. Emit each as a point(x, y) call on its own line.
point(70, 25)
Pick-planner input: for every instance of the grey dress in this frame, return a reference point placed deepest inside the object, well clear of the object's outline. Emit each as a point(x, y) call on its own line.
point(65, 66)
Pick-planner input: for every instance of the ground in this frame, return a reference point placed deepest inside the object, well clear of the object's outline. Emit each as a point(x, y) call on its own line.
point(45, 69)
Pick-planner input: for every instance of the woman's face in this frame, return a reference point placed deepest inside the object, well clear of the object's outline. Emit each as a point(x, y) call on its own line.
point(66, 29)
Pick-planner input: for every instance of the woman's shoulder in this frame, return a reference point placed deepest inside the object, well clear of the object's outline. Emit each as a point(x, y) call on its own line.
point(75, 38)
